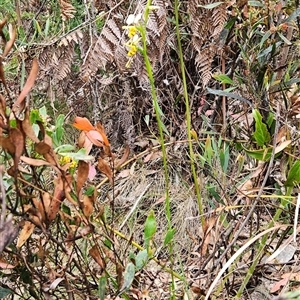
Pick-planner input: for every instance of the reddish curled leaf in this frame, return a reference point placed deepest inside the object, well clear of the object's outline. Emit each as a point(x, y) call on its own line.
point(83, 124)
point(105, 169)
point(95, 137)
point(82, 175)
point(95, 134)
point(12, 37)
point(101, 130)
point(19, 104)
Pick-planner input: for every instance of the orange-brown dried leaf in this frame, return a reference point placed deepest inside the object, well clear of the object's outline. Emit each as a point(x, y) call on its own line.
point(123, 158)
point(39, 209)
point(2, 106)
point(209, 224)
point(42, 148)
point(17, 139)
point(2, 76)
point(87, 205)
point(85, 142)
point(96, 255)
point(58, 198)
point(82, 175)
point(34, 162)
point(3, 125)
point(12, 37)
point(119, 270)
point(104, 167)
point(27, 128)
point(46, 205)
point(20, 103)
point(7, 145)
point(83, 124)
point(25, 233)
point(42, 129)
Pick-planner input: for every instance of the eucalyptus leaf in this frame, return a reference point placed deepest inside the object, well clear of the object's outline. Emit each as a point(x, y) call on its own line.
point(128, 276)
point(141, 259)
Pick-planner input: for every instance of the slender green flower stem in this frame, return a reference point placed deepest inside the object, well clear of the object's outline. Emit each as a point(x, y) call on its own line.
point(188, 116)
point(158, 113)
point(157, 110)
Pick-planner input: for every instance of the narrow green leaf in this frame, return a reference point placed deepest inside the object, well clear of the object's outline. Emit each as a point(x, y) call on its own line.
point(264, 38)
point(261, 154)
point(230, 95)
point(78, 156)
point(264, 55)
point(284, 39)
point(292, 17)
point(224, 158)
point(47, 26)
point(211, 5)
point(261, 134)
point(150, 228)
point(102, 287)
point(169, 236)
point(141, 259)
point(60, 121)
point(128, 276)
point(223, 78)
point(294, 175)
point(64, 148)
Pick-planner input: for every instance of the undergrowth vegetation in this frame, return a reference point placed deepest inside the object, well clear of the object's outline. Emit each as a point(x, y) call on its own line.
point(149, 149)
